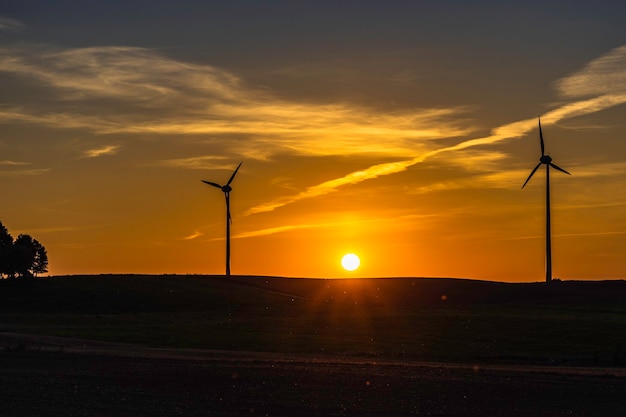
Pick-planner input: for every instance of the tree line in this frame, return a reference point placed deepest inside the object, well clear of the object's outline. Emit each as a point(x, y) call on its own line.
point(23, 257)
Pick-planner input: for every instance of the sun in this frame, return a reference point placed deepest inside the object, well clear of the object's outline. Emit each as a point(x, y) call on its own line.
point(350, 262)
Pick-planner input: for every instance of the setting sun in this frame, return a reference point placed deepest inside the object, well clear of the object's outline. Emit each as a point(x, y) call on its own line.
point(350, 262)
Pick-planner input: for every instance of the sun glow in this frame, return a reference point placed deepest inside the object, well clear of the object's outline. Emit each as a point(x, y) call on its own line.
point(350, 262)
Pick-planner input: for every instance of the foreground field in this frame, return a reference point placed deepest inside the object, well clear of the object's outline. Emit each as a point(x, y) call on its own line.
point(81, 384)
point(284, 347)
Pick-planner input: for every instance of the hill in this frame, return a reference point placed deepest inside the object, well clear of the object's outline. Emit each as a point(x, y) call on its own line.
point(128, 293)
point(574, 323)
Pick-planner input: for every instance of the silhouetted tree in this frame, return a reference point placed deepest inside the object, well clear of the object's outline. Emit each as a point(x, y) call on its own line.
point(24, 257)
point(6, 247)
point(5, 237)
point(40, 264)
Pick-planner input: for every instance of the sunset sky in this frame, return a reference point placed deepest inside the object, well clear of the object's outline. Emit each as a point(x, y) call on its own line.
point(401, 131)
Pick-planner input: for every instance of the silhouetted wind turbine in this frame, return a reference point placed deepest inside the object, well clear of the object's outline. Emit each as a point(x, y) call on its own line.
point(226, 189)
point(547, 161)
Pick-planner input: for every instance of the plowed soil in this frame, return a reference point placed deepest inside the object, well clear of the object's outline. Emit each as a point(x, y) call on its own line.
point(69, 377)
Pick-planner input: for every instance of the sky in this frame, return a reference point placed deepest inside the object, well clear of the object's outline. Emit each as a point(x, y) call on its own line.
point(401, 131)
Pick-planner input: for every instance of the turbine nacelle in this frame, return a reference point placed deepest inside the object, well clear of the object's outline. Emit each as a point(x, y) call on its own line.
point(545, 159)
point(227, 188)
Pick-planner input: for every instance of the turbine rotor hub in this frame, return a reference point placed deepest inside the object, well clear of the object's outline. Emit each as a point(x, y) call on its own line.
point(227, 188)
point(545, 159)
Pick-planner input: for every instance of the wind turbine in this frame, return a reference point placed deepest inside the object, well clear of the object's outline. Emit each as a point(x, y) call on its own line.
point(226, 189)
point(547, 161)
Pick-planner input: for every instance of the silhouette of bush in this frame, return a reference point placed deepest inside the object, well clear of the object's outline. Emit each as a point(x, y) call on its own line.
point(23, 257)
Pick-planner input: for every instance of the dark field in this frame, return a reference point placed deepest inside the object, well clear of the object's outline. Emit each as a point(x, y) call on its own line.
point(48, 384)
point(291, 347)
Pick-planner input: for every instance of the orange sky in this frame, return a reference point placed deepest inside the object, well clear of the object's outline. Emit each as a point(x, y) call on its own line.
point(359, 130)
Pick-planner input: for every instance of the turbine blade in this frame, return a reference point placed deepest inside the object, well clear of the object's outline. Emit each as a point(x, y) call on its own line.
point(543, 152)
point(531, 174)
point(212, 183)
point(232, 177)
point(559, 168)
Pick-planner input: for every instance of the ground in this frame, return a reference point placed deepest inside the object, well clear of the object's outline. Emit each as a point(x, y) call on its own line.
point(48, 376)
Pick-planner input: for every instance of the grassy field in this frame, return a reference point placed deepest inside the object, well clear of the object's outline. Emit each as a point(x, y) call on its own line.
point(449, 320)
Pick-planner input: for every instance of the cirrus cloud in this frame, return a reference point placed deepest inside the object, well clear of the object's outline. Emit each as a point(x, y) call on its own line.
point(102, 151)
point(592, 79)
point(130, 90)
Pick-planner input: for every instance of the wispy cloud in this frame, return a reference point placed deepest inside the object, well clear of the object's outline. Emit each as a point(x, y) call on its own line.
point(516, 129)
point(14, 163)
point(197, 162)
point(564, 235)
point(154, 94)
point(505, 179)
point(23, 172)
point(485, 171)
point(8, 24)
point(99, 124)
point(606, 68)
point(477, 160)
point(396, 221)
point(279, 229)
point(332, 185)
point(172, 97)
point(601, 169)
point(17, 169)
point(194, 235)
point(514, 177)
point(603, 76)
point(103, 151)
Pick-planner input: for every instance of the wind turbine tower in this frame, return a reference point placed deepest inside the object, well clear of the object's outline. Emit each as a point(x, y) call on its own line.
point(547, 161)
point(226, 189)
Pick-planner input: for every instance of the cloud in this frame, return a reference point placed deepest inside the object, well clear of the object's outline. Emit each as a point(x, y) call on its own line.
point(23, 172)
point(17, 172)
point(197, 162)
point(279, 229)
point(395, 221)
point(14, 163)
point(583, 107)
point(110, 90)
point(332, 185)
point(608, 68)
point(103, 151)
point(119, 72)
point(591, 234)
point(503, 132)
point(131, 90)
point(194, 235)
point(503, 179)
point(492, 177)
point(564, 235)
point(59, 120)
point(600, 169)
point(10, 25)
point(603, 76)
